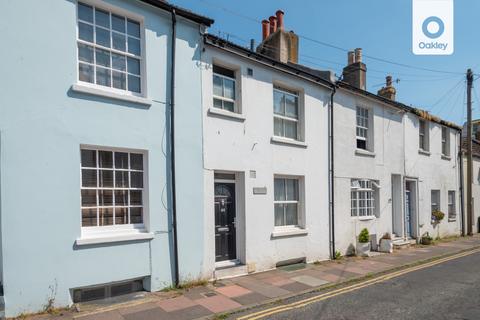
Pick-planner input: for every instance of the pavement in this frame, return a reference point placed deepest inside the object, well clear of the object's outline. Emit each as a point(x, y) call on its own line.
point(446, 291)
point(239, 296)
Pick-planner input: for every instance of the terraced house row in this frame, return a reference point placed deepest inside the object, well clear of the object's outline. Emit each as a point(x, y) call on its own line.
point(138, 151)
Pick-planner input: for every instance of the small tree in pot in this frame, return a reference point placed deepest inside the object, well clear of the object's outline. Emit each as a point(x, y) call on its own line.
point(437, 217)
point(363, 243)
point(386, 243)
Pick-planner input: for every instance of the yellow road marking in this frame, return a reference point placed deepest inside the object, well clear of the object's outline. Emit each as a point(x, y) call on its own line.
point(330, 294)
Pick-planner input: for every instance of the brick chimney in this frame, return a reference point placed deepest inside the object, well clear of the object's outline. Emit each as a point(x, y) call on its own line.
point(276, 42)
point(355, 73)
point(389, 90)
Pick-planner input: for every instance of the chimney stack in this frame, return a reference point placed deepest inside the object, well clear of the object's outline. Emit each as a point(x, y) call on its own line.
point(355, 73)
point(273, 24)
point(279, 15)
point(265, 29)
point(277, 43)
point(389, 90)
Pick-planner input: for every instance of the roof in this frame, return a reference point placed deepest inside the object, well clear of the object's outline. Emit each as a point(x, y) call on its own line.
point(475, 147)
point(180, 11)
point(319, 76)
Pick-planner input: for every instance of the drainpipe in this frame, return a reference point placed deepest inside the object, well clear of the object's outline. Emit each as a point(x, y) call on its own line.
point(172, 147)
point(462, 191)
point(331, 189)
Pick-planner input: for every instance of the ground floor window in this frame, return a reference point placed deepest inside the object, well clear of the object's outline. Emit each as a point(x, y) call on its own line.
point(435, 200)
point(451, 205)
point(112, 187)
point(362, 198)
point(286, 201)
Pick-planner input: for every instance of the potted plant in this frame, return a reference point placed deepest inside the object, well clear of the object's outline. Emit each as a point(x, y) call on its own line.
point(437, 216)
point(426, 239)
point(363, 243)
point(386, 243)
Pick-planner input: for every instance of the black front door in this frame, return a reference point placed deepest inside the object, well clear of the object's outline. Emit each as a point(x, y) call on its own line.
point(225, 247)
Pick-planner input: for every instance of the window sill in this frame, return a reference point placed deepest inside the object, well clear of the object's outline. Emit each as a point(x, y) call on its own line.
point(444, 157)
point(106, 238)
point(286, 141)
point(288, 232)
point(452, 219)
point(226, 114)
point(424, 152)
point(361, 152)
point(109, 94)
point(366, 218)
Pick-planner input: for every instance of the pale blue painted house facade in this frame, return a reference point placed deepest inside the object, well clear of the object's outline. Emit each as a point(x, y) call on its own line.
point(85, 192)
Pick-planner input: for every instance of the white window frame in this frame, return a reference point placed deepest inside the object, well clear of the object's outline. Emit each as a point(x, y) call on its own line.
point(423, 136)
point(115, 91)
point(361, 120)
point(452, 209)
point(295, 94)
point(298, 202)
point(433, 202)
point(119, 229)
point(445, 142)
point(222, 98)
point(362, 187)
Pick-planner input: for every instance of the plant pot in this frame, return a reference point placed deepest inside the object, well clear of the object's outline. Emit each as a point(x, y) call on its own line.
point(363, 249)
point(386, 245)
point(426, 241)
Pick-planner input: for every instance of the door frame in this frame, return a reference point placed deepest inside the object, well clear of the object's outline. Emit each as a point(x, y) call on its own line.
point(414, 205)
point(238, 237)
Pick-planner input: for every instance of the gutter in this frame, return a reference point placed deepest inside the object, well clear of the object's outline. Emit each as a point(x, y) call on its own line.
point(172, 147)
point(331, 173)
point(180, 11)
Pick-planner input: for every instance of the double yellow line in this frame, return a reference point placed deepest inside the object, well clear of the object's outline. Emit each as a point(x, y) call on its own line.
point(340, 291)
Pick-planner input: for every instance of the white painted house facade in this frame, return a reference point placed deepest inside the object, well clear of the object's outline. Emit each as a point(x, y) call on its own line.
point(393, 166)
point(265, 162)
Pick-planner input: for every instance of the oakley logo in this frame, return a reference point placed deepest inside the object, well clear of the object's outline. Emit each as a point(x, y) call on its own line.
point(433, 21)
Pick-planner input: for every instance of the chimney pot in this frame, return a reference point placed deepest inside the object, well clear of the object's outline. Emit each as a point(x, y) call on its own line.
point(389, 81)
point(358, 55)
point(351, 57)
point(265, 29)
point(279, 15)
point(273, 24)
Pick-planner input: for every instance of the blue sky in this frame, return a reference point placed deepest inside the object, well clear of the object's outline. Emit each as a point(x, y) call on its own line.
point(382, 28)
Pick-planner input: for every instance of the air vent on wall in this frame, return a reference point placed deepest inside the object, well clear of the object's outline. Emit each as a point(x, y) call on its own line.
point(107, 291)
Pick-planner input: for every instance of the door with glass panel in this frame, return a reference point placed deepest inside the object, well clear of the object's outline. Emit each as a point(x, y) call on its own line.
point(225, 244)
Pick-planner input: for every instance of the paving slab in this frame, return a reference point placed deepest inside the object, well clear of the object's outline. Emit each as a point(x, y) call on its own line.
point(218, 303)
point(177, 303)
point(310, 281)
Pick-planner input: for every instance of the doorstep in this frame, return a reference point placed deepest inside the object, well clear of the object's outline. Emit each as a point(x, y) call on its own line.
point(230, 271)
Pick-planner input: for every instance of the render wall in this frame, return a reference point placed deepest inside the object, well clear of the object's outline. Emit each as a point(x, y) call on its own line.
point(43, 123)
point(242, 146)
point(434, 172)
point(386, 158)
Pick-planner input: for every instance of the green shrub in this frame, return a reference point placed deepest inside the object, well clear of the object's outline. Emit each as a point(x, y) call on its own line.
point(437, 215)
point(364, 236)
point(338, 255)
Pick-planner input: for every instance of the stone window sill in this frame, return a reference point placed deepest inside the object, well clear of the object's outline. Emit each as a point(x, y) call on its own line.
point(111, 238)
point(448, 158)
point(110, 94)
point(286, 141)
point(424, 152)
point(361, 152)
point(226, 114)
point(289, 232)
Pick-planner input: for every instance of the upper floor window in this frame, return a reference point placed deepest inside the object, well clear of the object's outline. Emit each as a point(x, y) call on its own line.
point(112, 187)
point(423, 133)
point(362, 198)
point(362, 128)
point(285, 114)
point(445, 142)
point(224, 88)
point(286, 201)
point(109, 49)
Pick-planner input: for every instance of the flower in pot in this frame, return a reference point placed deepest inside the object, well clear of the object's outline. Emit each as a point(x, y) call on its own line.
point(437, 216)
point(426, 239)
point(386, 243)
point(363, 243)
